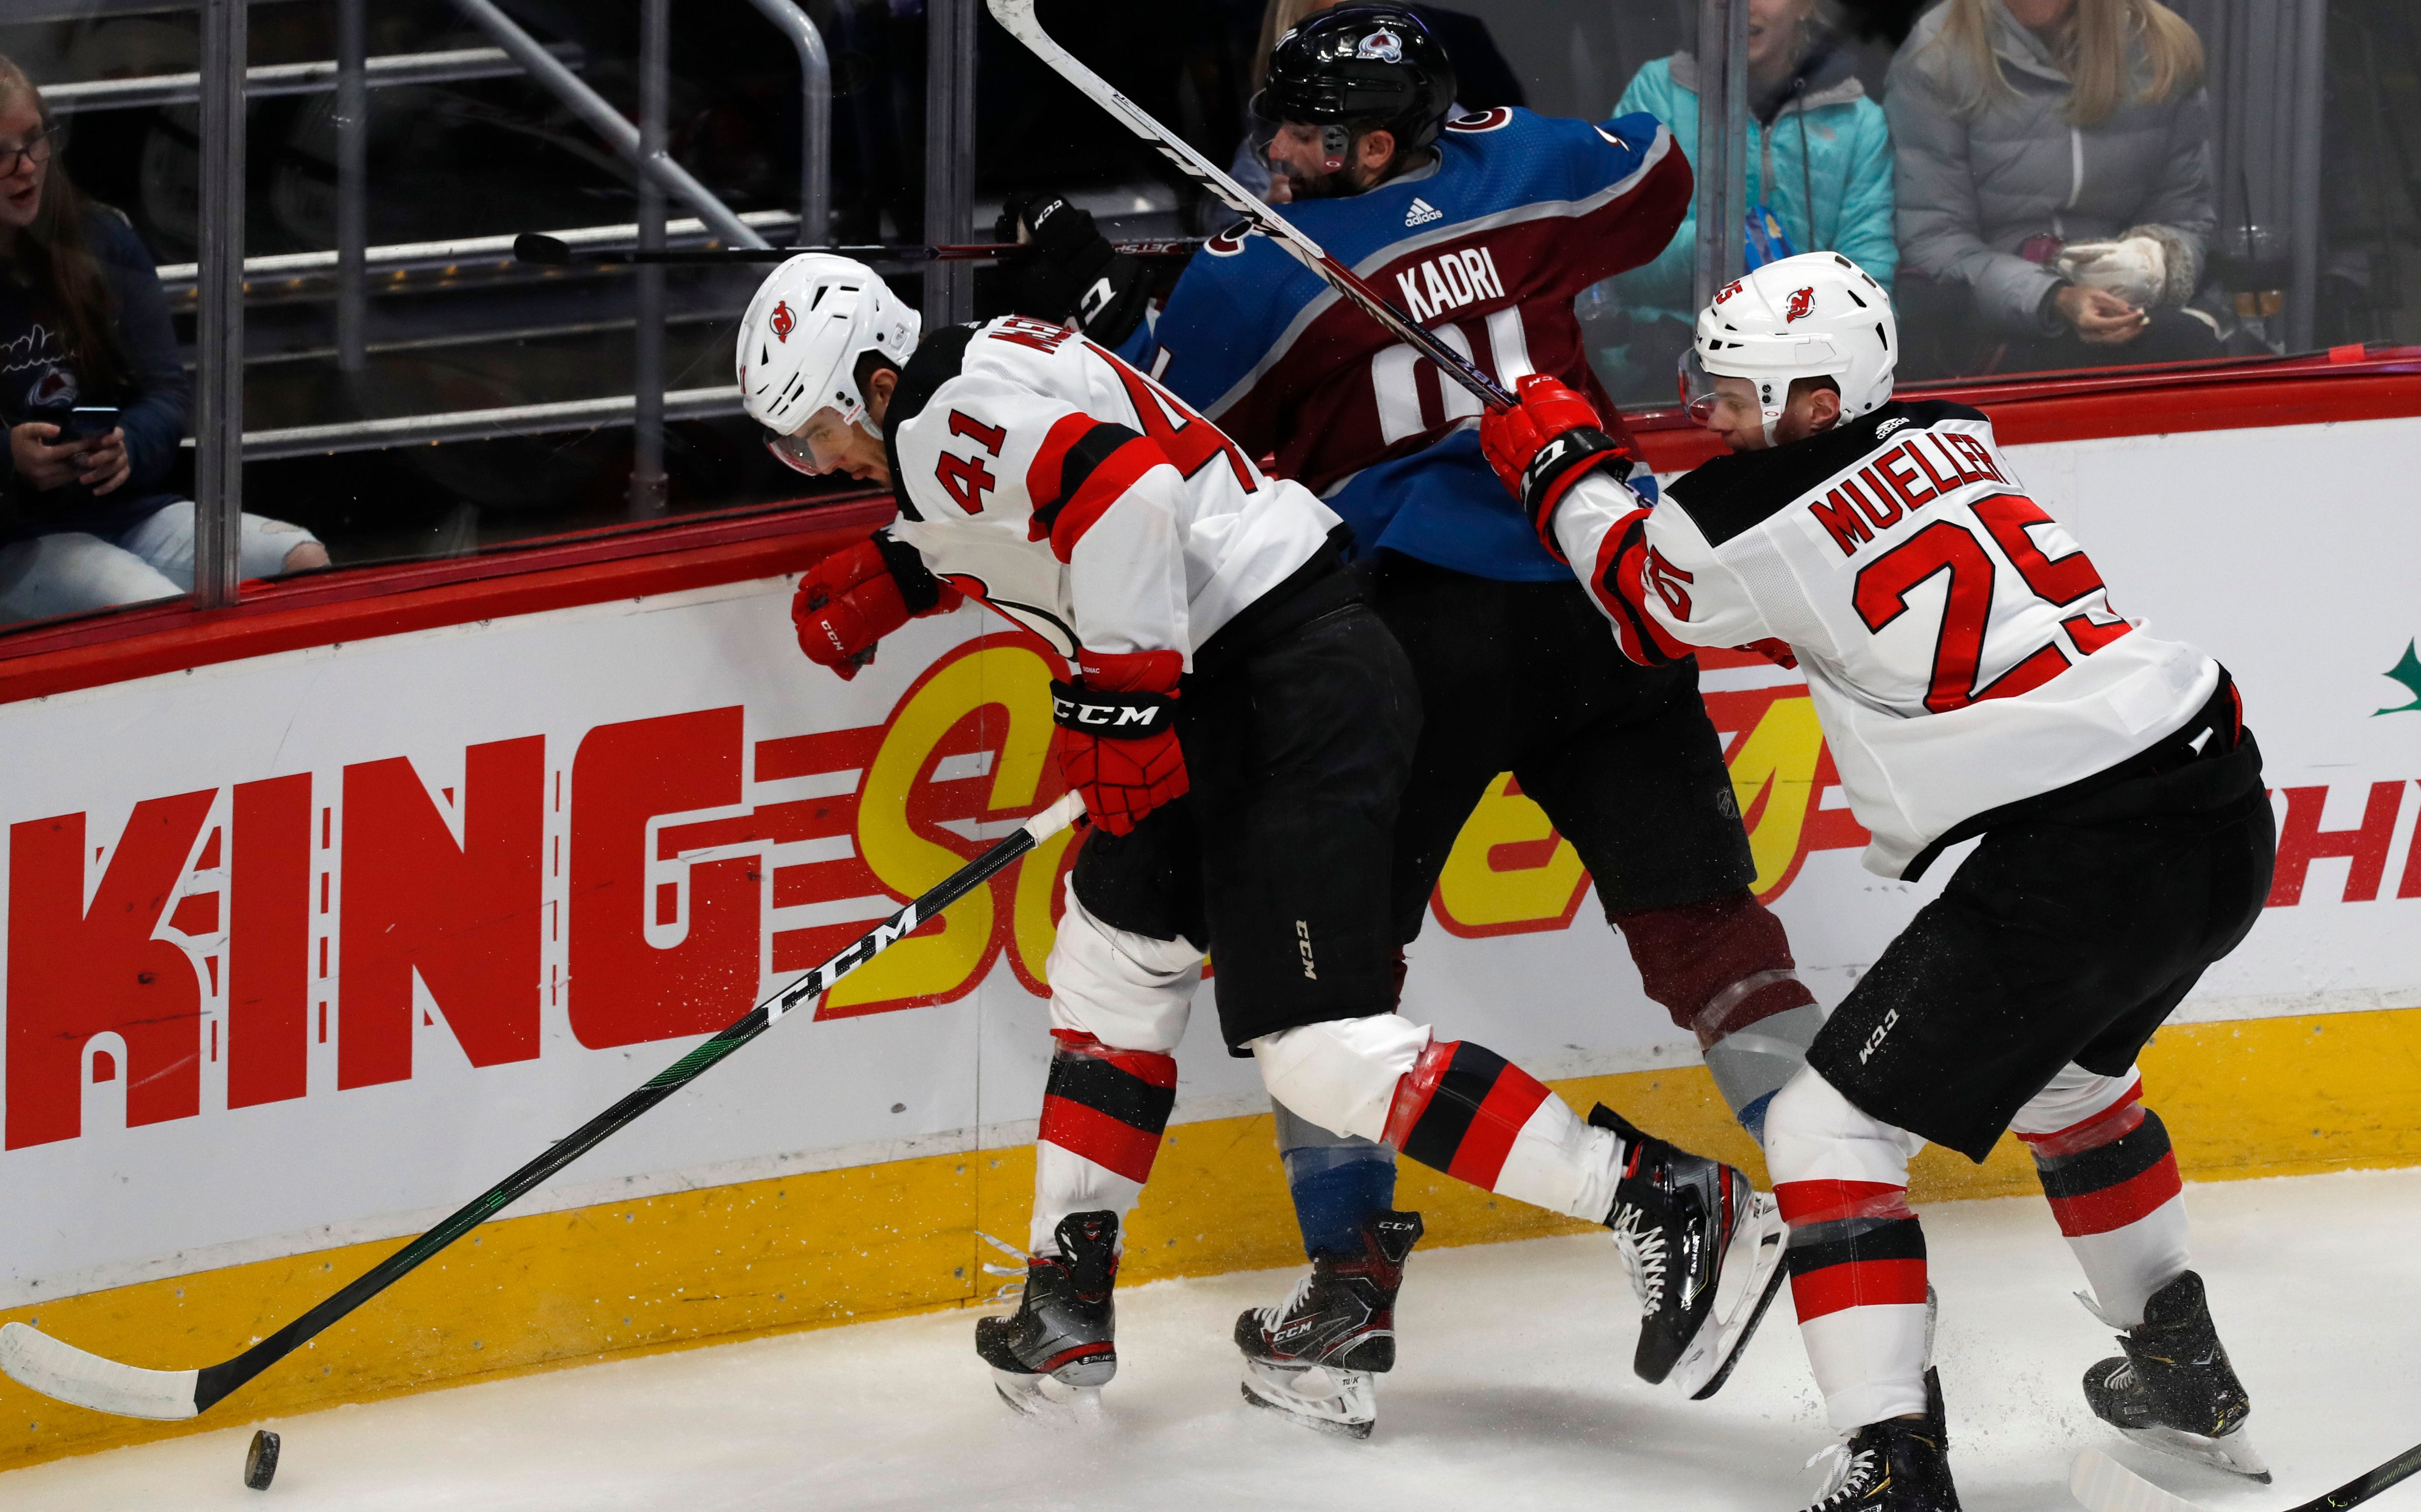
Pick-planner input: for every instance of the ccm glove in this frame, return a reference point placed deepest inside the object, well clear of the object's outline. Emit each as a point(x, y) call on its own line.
point(856, 597)
point(1547, 443)
point(1072, 274)
point(1118, 735)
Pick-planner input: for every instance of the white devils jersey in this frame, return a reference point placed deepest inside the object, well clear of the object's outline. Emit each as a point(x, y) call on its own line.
point(1958, 644)
point(1041, 475)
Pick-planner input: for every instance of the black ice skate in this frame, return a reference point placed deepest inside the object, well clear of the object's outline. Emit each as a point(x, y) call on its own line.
point(1687, 1226)
point(1312, 1355)
point(1898, 1465)
point(2174, 1389)
point(1052, 1356)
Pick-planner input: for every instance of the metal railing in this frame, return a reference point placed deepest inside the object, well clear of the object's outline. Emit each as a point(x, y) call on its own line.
point(386, 70)
point(467, 252)
point(483, 425)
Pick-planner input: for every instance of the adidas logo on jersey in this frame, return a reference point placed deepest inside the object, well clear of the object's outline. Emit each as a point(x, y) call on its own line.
point(1422, 212)
point(1889, 425)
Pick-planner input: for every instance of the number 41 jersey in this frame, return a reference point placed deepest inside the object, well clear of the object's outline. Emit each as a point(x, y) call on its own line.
point(1960, 649)
point(1039, 473)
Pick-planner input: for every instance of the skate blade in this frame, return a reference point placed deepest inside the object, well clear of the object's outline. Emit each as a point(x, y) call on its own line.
point(1046, 1399)
point(2233, 1453)
point(1752, 1275)
point(1343, 1402)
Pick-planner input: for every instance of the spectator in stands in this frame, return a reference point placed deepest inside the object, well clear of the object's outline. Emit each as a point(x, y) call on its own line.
point(88, 524)
point(2055, 184)
point(1819, 164)
point(1484, 80)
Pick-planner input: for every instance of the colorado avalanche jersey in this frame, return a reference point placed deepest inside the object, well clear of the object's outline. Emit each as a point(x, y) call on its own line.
point(1039, 473)
point(1960, 649)
point(1487, 247)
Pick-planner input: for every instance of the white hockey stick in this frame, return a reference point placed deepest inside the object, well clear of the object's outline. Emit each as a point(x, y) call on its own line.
point(62, 1371)
point(1018, 17)
point(2101, 1484)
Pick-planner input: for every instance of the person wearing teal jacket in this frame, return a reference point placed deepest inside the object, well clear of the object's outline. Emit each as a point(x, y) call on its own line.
point(1815, 139)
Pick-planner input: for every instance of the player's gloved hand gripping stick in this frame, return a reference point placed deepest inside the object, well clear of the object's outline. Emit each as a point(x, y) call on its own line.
point(67, 1374)
point(1018, 17)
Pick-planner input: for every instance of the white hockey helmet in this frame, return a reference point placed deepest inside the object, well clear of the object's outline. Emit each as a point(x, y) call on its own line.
point(1817, 315)
point(812, 318)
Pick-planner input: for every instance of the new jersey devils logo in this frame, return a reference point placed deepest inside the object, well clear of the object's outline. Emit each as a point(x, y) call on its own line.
point(784, 322)
point(1803, 303)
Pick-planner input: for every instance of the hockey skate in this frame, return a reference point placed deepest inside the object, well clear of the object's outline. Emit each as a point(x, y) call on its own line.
point(1312, 1356)
point(2173, 1390)
point(1051, 1357)
point(1897, 1465)
point(1705, 1252)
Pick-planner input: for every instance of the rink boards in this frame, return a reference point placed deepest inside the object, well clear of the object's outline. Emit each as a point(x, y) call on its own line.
point(307, 948)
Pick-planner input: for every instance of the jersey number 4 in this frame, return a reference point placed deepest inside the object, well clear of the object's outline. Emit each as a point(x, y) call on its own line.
point(1946, 546)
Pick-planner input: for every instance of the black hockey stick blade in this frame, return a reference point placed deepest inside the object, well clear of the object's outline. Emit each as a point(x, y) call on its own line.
point(2101, 1484)
point(545, 251)
point(61, 1371)
point(1017, 18)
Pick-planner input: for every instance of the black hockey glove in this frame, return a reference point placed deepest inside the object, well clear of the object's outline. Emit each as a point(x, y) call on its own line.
point(1073, 272)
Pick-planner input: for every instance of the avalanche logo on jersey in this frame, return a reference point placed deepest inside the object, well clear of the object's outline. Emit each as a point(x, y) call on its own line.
point(1420, 212)
point(783, 321)
point(1384, 45)
point(1801, 304)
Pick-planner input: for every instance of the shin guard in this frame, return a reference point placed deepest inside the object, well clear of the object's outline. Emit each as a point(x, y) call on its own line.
point(1103, 1110)
point(1466, 1111)
point(1856, 1253)
point(2112, 1182)
point(1337, 1181)
point(1722, 968)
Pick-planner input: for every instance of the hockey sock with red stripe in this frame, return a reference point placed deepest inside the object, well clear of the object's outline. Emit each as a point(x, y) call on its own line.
point(1103, 1110)
point(1465, 1110)
point(1857, 1277)
point(2114, 1189)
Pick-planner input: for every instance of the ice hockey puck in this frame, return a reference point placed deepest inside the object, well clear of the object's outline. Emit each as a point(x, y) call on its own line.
point(260, 1460)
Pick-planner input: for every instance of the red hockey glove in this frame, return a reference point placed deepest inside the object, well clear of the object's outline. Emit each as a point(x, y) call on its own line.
point(1549, 442)
point(856, 596)
point(1118, 735)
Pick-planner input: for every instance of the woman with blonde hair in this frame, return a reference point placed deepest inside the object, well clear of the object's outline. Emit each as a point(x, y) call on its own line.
point(88, 519)
point(2054, 180)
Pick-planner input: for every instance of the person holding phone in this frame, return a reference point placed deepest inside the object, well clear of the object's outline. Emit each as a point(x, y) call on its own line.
point(94, 398)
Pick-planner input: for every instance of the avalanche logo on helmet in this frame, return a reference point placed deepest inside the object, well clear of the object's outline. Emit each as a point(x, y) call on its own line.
point(1384, 45)
point(782, 320)
point(1801, 304)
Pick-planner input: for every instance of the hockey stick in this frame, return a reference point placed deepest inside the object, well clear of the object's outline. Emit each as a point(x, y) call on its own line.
point(554, 252)
point(33, 1358)
point(2101, 1483)
point(1018, 17)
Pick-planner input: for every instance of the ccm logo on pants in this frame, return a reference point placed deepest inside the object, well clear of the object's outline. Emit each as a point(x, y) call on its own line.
point(1303, 943)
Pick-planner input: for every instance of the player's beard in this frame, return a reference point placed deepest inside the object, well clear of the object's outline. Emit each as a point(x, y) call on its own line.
point(1336, 184)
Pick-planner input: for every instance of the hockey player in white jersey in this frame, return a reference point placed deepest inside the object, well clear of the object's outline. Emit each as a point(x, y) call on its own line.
point(1241, 726)
point(1973, 680)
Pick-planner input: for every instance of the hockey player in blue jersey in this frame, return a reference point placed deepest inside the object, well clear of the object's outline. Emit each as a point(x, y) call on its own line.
point(1483, 227)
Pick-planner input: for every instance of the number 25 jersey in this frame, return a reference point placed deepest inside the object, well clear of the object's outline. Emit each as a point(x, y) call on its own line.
point(1039, 473)
point(1958, 644)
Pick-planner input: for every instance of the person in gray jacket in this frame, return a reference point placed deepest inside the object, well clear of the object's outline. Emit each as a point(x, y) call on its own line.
point(2054, 180)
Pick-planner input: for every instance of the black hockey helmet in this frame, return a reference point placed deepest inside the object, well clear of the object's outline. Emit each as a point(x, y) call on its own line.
point(1367, 66)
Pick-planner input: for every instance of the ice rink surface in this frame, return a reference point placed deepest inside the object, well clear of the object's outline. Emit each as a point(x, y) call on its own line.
point(1514, 1392)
